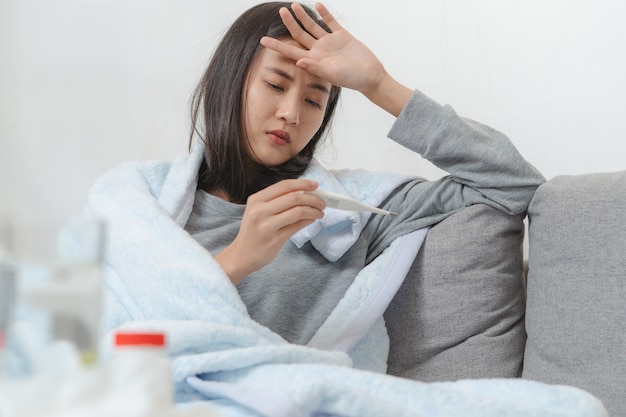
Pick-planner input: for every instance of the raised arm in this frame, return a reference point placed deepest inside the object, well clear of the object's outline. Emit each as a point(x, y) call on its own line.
point(484, 165)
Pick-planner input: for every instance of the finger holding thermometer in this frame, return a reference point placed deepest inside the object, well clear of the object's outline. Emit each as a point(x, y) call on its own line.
point(342, 202)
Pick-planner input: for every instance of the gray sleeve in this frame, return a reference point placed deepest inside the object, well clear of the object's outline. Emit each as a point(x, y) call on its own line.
point(483, 164)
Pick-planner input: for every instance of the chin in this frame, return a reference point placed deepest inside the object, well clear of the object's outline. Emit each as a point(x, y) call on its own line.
point(273, 162)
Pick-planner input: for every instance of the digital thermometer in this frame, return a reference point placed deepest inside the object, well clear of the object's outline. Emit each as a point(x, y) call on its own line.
point(342, 202)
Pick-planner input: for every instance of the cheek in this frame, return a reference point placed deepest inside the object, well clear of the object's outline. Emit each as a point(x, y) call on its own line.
point(254, 102)
point(257, 109)
point(313, 124)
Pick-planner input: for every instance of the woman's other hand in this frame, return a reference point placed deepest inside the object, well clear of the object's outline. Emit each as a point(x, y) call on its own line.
point(271, 217)
point(339, 58)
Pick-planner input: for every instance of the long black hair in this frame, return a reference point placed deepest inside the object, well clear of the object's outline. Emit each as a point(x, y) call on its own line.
point(217, 103)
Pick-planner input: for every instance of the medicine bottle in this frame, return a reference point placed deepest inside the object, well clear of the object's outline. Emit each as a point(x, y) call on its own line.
point(140, 363)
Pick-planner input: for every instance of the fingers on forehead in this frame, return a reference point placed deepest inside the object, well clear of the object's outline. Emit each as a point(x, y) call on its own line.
point(294, 28)
point(288, 50)
point(309, 24)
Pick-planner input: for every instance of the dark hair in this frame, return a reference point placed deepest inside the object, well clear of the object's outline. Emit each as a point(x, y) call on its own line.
point(220, 95)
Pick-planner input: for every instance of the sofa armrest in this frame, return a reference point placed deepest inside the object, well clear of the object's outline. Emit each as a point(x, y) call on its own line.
point(459, 313)
point(576, 308)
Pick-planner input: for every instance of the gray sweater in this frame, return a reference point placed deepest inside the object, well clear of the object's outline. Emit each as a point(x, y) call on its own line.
point(295, 293)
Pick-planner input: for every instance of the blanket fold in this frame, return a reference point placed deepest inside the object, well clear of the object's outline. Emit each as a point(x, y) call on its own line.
point(158, 277)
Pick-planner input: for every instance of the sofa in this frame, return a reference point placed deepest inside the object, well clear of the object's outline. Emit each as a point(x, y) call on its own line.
point(476, 304)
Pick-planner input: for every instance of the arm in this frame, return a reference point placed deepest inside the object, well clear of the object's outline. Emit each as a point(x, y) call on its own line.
point(476, 155)
point(485, 166)
point(483, 163)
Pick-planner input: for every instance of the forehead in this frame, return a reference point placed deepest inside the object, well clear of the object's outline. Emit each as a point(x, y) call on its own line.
point(269, 60)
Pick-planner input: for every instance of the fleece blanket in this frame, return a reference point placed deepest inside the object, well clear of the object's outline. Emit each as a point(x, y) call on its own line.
point(157, 277)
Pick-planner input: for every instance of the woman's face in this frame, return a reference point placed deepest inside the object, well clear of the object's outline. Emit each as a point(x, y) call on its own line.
point(284, 106)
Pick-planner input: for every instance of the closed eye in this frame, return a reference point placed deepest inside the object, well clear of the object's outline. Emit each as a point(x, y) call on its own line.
point(278, 88)
point(274, 87)
point(314, 103)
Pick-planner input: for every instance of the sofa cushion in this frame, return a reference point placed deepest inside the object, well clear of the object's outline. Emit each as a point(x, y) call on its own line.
point(459, 313)
point(576, 311)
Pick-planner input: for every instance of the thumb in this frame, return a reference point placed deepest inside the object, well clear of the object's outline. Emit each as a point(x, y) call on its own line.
point(311, 66)
point(326, 71)
point(305, 63)
point(321, 70)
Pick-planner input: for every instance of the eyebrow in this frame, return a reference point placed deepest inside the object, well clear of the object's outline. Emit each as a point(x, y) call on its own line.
point(288, 77)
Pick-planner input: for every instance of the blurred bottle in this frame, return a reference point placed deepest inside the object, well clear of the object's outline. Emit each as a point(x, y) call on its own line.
point(7, 297)
point(139, 362)
point(80, 251)
point(72, 292)
point(7, 290)
point(136, 381)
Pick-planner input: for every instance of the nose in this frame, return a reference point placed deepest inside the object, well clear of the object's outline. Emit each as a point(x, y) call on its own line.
point(289, 110)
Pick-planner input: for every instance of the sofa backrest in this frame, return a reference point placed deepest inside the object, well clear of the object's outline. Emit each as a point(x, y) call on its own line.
point(576, 309)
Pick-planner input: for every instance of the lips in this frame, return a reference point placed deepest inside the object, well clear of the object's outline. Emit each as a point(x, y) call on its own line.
point(279, 137)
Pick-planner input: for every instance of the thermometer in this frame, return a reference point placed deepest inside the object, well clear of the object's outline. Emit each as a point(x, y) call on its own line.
point(342, 202)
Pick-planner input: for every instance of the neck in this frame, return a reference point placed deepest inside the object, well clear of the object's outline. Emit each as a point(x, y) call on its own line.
point(220, 194)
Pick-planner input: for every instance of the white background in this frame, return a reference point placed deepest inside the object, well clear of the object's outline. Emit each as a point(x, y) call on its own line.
point(88, 84)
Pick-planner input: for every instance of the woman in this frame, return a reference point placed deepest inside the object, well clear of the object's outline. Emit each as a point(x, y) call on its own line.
point(310, 283)
point(267, 98)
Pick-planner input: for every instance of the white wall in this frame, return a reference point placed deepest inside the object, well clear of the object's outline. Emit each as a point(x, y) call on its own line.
point(88, 84)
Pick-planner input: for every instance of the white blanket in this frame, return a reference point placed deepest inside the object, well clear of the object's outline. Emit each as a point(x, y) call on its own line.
point(158, 277)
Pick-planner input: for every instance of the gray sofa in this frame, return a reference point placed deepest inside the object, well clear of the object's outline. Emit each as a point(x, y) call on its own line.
point(468, 310)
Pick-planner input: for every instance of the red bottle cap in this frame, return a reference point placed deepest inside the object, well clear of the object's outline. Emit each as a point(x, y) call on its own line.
point(140, 339)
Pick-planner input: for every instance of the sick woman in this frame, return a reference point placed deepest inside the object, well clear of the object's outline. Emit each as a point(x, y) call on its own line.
point(228, 249)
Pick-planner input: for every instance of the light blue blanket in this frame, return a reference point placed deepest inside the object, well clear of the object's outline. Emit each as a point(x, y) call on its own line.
point(158, 277)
